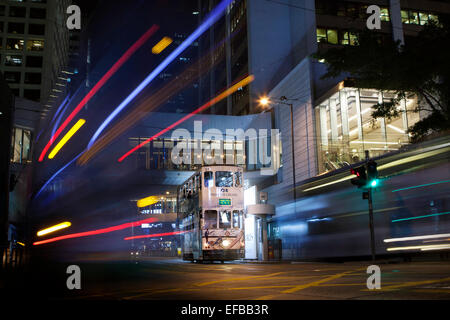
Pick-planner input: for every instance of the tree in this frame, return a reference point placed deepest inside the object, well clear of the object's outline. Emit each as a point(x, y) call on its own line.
point(420, 66)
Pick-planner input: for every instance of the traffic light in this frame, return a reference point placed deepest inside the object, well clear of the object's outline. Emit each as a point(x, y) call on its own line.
point(372, 173)
point(361, 178)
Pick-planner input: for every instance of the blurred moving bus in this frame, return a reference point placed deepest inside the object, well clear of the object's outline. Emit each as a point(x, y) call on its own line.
point(210, 211)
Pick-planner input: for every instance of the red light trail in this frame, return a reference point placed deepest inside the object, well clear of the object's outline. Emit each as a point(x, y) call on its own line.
point(98, 231)
point(211, 102)
point(100, 84)
point(155, 235)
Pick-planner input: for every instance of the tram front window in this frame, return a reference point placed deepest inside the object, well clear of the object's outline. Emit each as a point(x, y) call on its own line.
point(225, 219)
point(237, 219)
point(224, 179)
point(210, 218)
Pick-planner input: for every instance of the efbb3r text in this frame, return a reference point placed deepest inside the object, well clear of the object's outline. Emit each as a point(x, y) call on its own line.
point(247, 309)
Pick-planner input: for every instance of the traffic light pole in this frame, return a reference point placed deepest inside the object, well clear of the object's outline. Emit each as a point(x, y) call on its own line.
point(372, 231)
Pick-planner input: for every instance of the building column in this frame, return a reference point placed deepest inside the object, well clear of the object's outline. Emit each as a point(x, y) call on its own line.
point(383, 122)
point(359, 117)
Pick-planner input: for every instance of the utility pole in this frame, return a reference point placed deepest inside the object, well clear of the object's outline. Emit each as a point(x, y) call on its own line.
point(369, 199)
point(367, 182)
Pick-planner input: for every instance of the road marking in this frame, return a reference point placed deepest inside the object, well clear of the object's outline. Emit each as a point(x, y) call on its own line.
point(237, 279)
point(159, 291)
point(259, 287)
point(269, 297)
point(409, 284)
point(315, 283)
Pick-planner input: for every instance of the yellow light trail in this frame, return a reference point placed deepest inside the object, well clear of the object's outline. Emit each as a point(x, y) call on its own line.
point(147, 201)
point(423, 248)
point(161, 45)
point(54, 228)
point(66, 138)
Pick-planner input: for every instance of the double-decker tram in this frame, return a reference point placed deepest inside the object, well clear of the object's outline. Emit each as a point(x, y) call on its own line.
point(211, 214)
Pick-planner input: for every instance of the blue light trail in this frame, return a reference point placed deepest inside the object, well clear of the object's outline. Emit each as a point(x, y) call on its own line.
point(207, 23)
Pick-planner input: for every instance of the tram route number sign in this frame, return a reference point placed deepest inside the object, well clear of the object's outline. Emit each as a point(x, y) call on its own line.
point(224, 202)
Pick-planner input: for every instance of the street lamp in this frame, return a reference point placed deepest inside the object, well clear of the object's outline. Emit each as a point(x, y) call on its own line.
point(265, 101)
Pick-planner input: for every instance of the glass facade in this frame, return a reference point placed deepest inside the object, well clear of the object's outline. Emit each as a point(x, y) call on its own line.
point(346, 128)
point(21, 146)
point(158, 154)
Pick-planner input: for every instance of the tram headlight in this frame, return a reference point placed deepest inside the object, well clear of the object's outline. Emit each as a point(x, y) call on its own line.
point(226, 243)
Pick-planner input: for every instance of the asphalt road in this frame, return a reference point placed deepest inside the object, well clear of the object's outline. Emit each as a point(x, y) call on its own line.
point(171, 278)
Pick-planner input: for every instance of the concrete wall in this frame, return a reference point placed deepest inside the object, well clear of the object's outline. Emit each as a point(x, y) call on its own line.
point(296, 85)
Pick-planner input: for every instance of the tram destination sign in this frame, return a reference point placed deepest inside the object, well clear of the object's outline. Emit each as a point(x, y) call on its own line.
point(224, 202)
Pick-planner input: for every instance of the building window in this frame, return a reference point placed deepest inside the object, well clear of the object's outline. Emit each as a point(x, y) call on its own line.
point(37, 13)
point(13, 60)
point(346, 127)
point(384, 14)
point(32, 94)
point(18, 12)
point(14, 44)
point(1, 27)
point(32, 78)
point(2, 11)
point(34, 61)
point(12, 77)
point(21, 146)
point(14, 27)
point(420, 18)
point(37, 29)
point(332, 36)
point(35, 45)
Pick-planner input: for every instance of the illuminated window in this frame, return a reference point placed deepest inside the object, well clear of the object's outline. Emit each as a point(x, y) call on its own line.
point(14, 44)
point(413, 17)
point(208, 179)
point(384, 14)
point(21, 145)
point(225, 219)
point(332, 36)
point(423, 18)
point(35, 45)
point(13, 60)
point(405, 16)
point(238, 179)
point(224, 179)
point(321, 35)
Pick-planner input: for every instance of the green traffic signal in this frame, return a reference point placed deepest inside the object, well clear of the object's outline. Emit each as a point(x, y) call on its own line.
point(374, 183)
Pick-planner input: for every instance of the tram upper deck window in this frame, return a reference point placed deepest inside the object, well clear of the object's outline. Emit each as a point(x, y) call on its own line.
point(224, 179)
point(208, 179)
point(210, 219)
point(238, 179)
point(225, 219)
